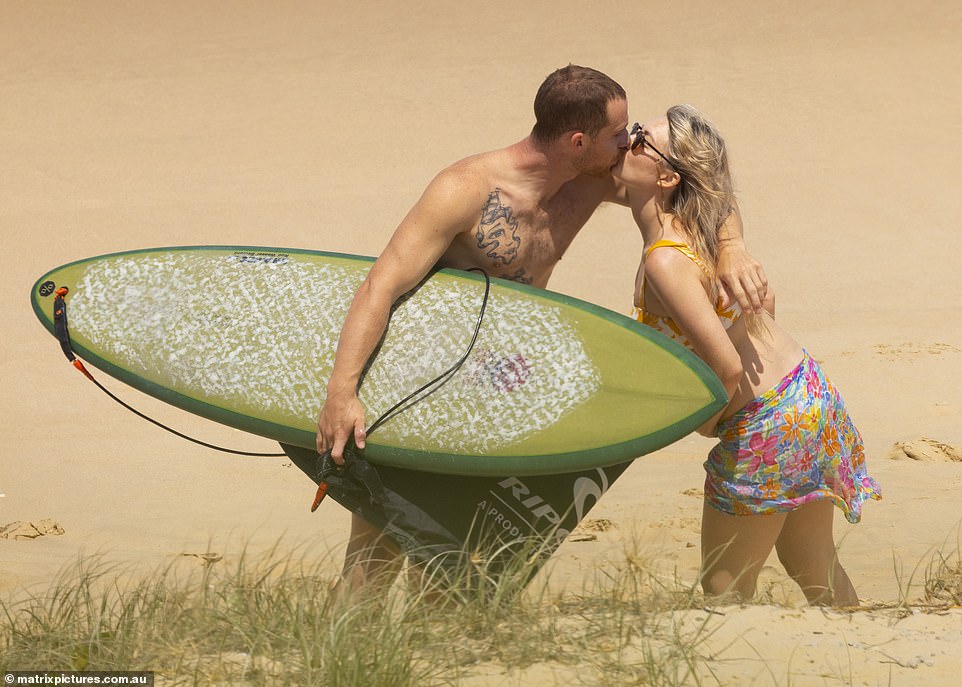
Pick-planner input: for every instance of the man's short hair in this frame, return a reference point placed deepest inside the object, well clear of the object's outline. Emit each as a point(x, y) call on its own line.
point(574, 98)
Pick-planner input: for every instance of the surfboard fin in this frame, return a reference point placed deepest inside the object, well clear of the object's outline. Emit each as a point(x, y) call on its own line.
point(319, 496)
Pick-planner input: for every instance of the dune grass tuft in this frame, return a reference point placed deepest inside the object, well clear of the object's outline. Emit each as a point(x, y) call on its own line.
point(274, 620)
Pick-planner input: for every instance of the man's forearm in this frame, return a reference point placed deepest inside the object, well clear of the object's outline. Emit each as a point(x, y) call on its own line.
point(731, 230)
point(362, 330)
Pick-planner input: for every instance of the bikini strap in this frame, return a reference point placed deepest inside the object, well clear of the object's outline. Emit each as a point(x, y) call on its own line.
point(682, 248)
point(665, 243)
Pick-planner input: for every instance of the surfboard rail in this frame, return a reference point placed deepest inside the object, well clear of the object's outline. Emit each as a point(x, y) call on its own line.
point(588, 370)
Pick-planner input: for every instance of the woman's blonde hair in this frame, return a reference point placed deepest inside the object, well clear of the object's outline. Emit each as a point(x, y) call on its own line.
point(705, 196)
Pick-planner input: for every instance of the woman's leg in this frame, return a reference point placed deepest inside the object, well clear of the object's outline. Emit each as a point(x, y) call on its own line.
point(806, 547)
point(734, 548)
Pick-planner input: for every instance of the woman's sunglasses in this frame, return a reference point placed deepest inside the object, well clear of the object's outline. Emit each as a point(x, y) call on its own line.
point(640, 140)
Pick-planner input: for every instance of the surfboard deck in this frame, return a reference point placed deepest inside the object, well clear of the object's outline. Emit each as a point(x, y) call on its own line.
point(246, 336)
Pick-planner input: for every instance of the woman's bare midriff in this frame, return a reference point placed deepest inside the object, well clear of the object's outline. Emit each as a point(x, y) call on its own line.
point(767, 356)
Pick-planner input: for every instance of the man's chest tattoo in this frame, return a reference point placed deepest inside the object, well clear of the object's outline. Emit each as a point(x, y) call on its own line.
point(521, 276)
point(497, 233)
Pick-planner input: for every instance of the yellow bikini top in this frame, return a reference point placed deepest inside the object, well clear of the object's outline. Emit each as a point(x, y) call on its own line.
point(663, 323)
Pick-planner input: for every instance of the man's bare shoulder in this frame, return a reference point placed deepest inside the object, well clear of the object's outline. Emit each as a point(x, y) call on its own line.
point(464, 173)
point(469, 181)
point(478, 168)
point(456, 194)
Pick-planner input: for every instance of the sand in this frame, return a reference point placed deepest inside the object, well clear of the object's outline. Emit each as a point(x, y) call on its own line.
point(294, 124)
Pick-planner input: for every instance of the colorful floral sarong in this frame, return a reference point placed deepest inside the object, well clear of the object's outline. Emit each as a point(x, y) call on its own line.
point(790, 446)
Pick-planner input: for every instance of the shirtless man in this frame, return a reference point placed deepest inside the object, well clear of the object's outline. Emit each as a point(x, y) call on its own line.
point(512, 212)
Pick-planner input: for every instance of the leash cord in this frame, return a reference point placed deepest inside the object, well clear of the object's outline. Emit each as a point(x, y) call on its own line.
point(427, 389)
point(181, 434)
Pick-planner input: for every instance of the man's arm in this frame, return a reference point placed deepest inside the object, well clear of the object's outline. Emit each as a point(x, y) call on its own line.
point(739, 274)
point(447, 208)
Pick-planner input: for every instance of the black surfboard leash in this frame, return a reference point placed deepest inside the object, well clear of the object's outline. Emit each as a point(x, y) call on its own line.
point(325, 463)
point(429, 388)
point(62, 332)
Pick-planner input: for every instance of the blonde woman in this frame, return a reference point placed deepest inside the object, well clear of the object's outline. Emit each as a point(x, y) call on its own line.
point(788, 451)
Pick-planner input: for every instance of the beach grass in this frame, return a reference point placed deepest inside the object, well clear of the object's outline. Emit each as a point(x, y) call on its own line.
point(943, 576)
point(272, 619)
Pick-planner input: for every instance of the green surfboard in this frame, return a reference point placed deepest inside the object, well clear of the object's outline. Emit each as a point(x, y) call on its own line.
point(246, 336)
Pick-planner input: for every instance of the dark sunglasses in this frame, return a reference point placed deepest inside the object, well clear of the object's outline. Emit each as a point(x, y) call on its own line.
point(640, 141)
